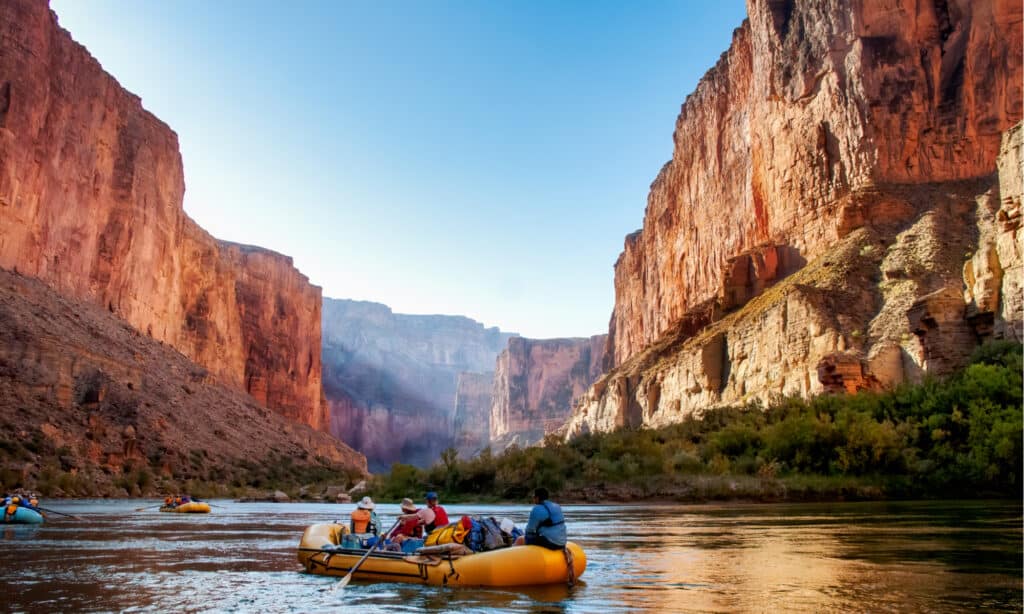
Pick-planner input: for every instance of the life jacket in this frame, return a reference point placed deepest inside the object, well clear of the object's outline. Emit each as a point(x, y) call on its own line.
point(454, 533)
point(9, 511)
point(411, 527)
point(168, 500)
point(361, 521)
point(440, 518)
point(555, 516)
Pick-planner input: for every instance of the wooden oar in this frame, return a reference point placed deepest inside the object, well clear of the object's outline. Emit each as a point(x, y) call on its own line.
point(139, 509)
point(61, 513)
point(348, 577)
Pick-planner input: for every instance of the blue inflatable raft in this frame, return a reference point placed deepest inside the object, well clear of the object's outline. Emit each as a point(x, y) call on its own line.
point(23, 515)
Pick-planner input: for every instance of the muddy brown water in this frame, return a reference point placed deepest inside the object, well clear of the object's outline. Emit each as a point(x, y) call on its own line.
point(866, 557)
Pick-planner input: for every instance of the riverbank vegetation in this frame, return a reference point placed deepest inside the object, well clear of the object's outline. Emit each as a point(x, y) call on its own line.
point(958, 437)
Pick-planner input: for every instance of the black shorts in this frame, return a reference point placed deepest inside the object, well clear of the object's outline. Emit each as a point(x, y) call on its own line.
point(540, 540)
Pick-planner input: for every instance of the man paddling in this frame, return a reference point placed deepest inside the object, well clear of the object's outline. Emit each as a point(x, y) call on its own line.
point(546, 526)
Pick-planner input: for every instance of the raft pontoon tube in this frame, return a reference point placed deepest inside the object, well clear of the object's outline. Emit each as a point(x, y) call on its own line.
point(192, 507)
point(513, 566)
point(23, 515)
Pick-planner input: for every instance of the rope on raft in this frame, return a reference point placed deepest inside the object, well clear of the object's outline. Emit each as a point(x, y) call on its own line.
point(570, 569)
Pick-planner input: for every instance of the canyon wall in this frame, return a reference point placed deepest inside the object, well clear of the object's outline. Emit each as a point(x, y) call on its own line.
point(91, 189)
point(536, 382)
point(841, 212)
point(471, 425)
point(390, 379)
point(812, 106)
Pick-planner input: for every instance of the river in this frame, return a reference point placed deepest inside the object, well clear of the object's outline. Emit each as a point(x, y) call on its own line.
point(906, 557)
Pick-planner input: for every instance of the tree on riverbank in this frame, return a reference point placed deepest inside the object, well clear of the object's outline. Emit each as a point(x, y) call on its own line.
point(958, 437)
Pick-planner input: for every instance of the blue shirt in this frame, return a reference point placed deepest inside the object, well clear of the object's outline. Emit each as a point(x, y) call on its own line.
point(546, 520)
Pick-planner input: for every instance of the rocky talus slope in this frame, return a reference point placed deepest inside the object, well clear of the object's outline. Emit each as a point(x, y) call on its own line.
point(91, 188)
point(91, 404)
point(841, 212)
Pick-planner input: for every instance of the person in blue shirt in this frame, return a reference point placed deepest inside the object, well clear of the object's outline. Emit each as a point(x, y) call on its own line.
point(546, 526)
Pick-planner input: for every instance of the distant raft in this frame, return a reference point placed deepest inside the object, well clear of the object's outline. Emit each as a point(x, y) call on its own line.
point(192, 507)
point(513, 566)
point(23, 515)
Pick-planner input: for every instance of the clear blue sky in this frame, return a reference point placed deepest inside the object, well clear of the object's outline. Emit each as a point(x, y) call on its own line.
point(480, 158)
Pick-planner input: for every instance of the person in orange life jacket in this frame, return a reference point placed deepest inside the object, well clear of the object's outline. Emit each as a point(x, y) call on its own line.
point(412, 521)
point(363, 518)
point(546, 526)
point(440, 516)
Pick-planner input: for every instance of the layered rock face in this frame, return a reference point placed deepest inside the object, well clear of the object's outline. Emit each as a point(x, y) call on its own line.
point(91, 190)
point(537, 381)
point(390, 379)
point(857, 145)
point(471, 425)
point(90, 400)
point(812, 105)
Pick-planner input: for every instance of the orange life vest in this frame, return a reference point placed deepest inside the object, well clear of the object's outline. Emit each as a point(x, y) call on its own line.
point(361, 521)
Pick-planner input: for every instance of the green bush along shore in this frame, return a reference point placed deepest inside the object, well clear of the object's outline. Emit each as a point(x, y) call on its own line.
point(958, 437)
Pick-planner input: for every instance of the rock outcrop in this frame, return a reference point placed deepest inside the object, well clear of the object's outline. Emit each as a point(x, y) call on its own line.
point(471, 425)
point(830, 176)
point(536, 383)
point(390, 379)
point(813, 104)
point(91, 189)
point(90, 405)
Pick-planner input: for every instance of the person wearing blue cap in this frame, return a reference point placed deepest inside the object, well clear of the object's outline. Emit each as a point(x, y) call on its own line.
point(440, 516)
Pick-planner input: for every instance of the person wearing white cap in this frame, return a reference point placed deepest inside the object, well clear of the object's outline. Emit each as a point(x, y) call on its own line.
point(364, 519)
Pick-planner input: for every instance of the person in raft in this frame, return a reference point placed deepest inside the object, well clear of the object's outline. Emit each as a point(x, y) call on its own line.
point(411, 523)
point(440, 516)
point(364, 519)
point(546, 526)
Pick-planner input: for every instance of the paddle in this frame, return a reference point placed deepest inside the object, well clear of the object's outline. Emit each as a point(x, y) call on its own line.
point(45, 509)
point(348, 577)
point(148, 507)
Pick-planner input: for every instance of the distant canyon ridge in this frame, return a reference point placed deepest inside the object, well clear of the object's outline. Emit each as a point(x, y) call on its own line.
point(402, 388)
point(841, 212)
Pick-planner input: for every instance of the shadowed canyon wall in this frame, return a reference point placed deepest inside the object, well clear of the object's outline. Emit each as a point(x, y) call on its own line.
point(841, 212)
point(91, 189)
point(390, 379)
point(471, 425)
point(536, 382)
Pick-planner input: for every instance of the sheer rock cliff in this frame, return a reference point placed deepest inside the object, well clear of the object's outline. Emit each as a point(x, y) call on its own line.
point(536, 382)
point(814, 103)
point(841, 212)
point(91, 189)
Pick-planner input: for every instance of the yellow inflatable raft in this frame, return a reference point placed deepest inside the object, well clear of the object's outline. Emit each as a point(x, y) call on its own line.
point(192, 507)
point(513, 566)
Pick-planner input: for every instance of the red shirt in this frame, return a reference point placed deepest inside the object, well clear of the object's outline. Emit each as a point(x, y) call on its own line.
point(440, 516)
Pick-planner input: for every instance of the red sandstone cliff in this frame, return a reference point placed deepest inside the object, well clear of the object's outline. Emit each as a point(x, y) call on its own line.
point(814, 103)
point(536, 382)
point(831, 175)
point(91, 189)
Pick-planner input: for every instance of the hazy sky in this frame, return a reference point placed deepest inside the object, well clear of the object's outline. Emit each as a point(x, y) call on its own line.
point(480, 158)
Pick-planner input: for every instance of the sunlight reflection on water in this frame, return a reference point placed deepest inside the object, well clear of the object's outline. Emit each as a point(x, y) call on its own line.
point(936, 556)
